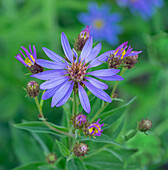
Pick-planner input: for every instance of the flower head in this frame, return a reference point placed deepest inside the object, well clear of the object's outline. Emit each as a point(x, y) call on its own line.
point(74, 74)
point(80, 149)
point(29, 59)
point(32, 89)
point(79, 120)
point(121, 56)
point(104, 25)
point(146, 8)
point(82, 38)
point(95, 128)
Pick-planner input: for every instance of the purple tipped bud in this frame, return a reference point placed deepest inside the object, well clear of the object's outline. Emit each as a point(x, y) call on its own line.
point(144, 125)
point(80, 149)
point(82, 38)
point(51, 158)
point(32, 89)
point(79, 120)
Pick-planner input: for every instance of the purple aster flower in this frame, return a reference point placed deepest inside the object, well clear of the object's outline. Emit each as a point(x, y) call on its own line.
point(120, 52)
point(104, 25)
point(85, 33)
point(95, 128)
point(61, 80)
point(29, 59)
point(146, 8)
point(81, 119)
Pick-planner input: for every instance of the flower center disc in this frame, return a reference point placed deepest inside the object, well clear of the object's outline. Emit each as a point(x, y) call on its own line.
point(77, 71)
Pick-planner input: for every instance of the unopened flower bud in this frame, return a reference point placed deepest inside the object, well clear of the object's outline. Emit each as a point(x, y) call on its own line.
point(79, 120)
point(113, 61)
point(144, 125)
point(35, 68)
point(80, 149)
point(129, 62)
point(82, 38)
point(51, 158)
point(32, 89)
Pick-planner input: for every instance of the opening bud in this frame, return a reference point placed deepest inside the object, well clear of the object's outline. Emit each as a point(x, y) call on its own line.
point(51, 158)
point(82, 38)
point(79, 120)
point(144, 125)
point(80, 149)
point(32, 89)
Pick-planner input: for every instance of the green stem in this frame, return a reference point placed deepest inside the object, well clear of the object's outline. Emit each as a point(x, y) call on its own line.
point(131, 135)
point(113, 91)
point(44, 120)
point(75, 103)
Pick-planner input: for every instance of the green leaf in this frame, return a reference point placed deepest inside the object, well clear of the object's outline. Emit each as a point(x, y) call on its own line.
point(40, 127)
point(30, 166)
point(101, 139)
point(75, 164)
point(63, 149)
point(113, 115)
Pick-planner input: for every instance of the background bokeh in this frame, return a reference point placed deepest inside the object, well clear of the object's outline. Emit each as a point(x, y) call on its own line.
point(40, 23)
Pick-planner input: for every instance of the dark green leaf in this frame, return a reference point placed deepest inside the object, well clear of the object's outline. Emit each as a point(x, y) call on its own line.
point(75, 164)
point(101, 139)
point(40, 127)
point(30, 166)
point(63, 149)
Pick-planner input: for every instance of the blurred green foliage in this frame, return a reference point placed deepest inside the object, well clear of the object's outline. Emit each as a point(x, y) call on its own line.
point(40, 22)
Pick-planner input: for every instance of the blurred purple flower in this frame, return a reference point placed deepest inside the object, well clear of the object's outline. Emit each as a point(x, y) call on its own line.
point(61, 80)
point(104, 25)
point(95, 128)
point(146, 8)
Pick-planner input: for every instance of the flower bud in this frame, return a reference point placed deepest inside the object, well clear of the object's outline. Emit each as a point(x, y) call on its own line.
point(32, 89)
point(79, 120)
point(35, 68)
point(82, 38)
point(80, 149)
point(51, 158)
point(113, 61)
point(129, 62)
point(144, 125)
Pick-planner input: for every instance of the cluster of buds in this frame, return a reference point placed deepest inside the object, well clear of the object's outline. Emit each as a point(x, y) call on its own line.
point(51, 158)
point(80, 149)
point(32, 89)
point(82, 38)
point(79, 121)
point(144, 125)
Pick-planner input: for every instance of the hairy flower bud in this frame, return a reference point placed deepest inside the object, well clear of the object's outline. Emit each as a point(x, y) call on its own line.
point(82, 38)
point(51, 158)
point(80, 149)
point(114, 62)
point(129, 62)
point(144, 125)
point(79, 120)
point(32, 89)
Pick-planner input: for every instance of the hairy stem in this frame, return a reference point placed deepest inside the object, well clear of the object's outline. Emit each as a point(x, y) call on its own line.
point(44, 120)
point(131, 135)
